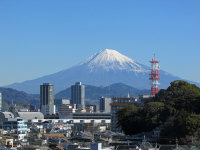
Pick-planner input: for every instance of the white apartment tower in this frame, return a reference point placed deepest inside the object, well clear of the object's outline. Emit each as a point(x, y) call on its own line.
point(104, 104)
point(78, 95)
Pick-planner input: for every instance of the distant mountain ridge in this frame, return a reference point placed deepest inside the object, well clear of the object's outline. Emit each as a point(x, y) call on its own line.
point(18, 97)
point(93, 93)
point(101, 69)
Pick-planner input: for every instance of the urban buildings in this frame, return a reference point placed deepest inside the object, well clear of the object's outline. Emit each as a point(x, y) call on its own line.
point(119, 103)
point(65, 109)
point(78, 95)
point(90, 108)
point(104, 104)
point(19, 126)
point(47, 106)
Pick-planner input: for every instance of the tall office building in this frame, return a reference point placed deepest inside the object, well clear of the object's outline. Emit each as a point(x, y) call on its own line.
point(0, 101)
point(104, 104)
point(78, 95)
point(47, 99)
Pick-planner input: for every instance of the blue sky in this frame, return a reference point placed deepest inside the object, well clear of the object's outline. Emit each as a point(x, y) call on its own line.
point(40, 37)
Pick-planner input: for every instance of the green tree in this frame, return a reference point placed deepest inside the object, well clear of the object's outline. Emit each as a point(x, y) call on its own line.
point(182, 95)
point(192, 124)
point(177, 108)
point(130, 120)
point(154, 114)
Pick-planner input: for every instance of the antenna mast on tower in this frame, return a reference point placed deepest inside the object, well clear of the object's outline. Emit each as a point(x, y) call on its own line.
point(154, 76)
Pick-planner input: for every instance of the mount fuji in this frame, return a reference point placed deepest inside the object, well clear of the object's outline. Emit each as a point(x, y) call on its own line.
point(101, 69)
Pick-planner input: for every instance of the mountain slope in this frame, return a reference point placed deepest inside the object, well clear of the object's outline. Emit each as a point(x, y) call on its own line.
point(101, 69)
point(93, 93)
point(18, 97)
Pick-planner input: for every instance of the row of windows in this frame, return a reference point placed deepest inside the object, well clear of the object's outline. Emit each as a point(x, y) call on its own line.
point(124, 101)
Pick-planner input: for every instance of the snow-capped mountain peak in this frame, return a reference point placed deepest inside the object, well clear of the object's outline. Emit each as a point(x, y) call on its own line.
point(101, 69)
point(110, 59)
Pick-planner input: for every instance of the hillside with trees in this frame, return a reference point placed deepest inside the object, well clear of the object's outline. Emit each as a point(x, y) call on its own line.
point(17, 97)
point(176, 108)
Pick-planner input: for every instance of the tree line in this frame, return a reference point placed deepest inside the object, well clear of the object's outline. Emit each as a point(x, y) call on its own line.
point(176, 108)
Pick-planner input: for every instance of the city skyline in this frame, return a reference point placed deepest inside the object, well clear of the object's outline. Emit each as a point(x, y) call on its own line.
point(41, 38)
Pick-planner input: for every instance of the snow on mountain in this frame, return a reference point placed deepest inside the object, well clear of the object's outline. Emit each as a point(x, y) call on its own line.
point(109, 59)
point(101, 69)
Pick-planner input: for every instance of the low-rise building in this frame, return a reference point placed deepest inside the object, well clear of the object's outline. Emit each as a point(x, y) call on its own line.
point(66, 109)
point(10, 116)
point(17, 127)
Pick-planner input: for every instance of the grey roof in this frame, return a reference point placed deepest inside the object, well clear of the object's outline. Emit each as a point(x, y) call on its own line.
point(8, 115)
point(22, 115)
point(31, 115)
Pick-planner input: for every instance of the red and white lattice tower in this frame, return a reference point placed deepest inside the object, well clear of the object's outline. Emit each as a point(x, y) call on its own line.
point(154, 75)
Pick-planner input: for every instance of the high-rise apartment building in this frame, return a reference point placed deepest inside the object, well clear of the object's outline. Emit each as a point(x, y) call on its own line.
point(78, 95)
point(47, 99)
point(104, 104)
